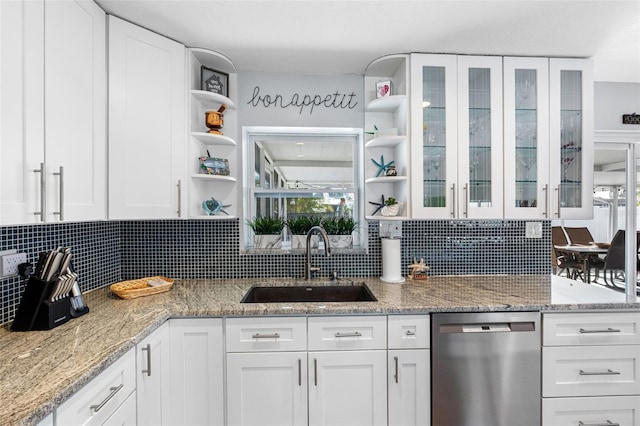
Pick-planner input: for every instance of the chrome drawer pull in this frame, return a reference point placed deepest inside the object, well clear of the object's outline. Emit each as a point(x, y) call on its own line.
point(410, 333)
point(114, 391)
point(608, 423)
point(353, 334)
point(599, 373)
point(395, 376)
point(601, 330)
point(266, 336)
point(148, 349)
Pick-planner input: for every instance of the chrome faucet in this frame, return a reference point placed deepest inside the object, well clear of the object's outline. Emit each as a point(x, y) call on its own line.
point(327, 251)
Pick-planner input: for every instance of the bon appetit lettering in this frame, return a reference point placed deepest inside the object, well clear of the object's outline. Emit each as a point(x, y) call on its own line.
point(304, 102)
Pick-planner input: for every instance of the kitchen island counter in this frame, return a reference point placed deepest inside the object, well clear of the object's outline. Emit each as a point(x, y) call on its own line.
point(41, 369)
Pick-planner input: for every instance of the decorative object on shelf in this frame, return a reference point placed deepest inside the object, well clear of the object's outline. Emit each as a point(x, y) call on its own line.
point(215, 120)
point(379, 205)
point(214, 81)
point(631, 118)
point(340, 230)
point(384, 88)
point(214, 166)
point(391, 207)
point(382, 166)
point(418, 270)
point(391, 171)
point(267, 232)
point(213, 207)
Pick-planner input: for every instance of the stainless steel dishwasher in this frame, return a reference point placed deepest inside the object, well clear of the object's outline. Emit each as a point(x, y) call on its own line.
point(485, 369)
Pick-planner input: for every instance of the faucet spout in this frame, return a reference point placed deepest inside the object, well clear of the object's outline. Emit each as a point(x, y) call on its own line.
point(327, 250)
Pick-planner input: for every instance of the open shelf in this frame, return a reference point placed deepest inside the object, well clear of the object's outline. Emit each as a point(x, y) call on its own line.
point(213, 98)
point(213, 139)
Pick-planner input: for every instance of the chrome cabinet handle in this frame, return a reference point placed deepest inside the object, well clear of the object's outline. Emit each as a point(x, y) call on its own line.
point(266, 336)
point(453, 200)
point(114, 391)
point(43, 192)
point(608, 372)
point(179, 185)
point(395, 376)
point(466, 200)
point(559, 201)
point(608, 423)
point(545, 212)
point(299, 372)
point(602, 330)
point(315, 372)
point(352, 334)
point(148, 349)
point(60, 213)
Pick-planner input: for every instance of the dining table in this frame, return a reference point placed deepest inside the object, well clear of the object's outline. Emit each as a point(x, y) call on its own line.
point(584, 253)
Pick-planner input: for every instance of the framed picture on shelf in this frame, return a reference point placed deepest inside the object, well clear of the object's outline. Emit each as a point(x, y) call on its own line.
point(214, 81)
point(383, 89)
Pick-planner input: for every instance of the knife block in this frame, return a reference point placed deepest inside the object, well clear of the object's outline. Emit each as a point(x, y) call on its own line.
point(36, 312)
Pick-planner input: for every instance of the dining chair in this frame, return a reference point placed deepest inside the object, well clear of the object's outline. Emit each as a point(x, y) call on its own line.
point(562, 261)
point(582, 236)
point(614, 261)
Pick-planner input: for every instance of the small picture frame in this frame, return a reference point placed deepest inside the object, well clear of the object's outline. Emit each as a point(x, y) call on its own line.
point(384, 88)
point(214, 166)
point(214, 81)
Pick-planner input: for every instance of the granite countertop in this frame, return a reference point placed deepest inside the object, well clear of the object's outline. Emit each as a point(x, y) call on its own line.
point(41, 369)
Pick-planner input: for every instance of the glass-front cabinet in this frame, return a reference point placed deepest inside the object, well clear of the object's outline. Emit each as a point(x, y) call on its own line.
point(456, 108)
point(526, 138)
point(571, 138)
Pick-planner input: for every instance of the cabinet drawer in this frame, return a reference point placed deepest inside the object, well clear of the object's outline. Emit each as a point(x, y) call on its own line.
point(347, 333)
point(266, 334)
point(592, 371)
point(409, 331)
point(605, 328)
point(618, 410)
point(101, 397)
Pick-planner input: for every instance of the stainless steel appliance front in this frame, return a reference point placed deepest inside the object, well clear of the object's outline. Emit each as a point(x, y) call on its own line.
point(486, 369)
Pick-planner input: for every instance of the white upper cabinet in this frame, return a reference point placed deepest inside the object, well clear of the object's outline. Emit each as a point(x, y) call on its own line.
point(526, 138)
point(146, 123)
point(53, 108)
point(571, 138)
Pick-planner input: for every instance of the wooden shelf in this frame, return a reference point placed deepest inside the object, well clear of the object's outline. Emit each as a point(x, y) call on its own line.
point(212, 98)
point(213, 139)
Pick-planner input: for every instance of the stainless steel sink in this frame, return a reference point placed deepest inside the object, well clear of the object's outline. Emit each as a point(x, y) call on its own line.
point(355, 292)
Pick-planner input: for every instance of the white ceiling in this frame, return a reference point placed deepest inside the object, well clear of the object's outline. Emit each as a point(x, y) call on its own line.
point(342, 37)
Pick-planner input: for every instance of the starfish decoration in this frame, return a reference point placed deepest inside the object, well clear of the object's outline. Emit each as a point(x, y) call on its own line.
point(213, 206)
point(382, 166)
point(380, 206)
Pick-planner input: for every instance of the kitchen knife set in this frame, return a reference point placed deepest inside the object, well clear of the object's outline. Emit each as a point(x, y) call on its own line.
point(52, 296)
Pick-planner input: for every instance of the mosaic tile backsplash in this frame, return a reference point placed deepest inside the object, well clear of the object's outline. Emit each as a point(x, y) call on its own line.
point(110, 251)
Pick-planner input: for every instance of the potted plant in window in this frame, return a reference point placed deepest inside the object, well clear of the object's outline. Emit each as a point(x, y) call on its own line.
point(391, 207)
point(267, 232)
point(340, 231)
point(299, 226)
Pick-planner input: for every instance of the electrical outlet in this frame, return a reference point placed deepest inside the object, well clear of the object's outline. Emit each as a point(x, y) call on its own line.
point(10, 263)
point(533, 230)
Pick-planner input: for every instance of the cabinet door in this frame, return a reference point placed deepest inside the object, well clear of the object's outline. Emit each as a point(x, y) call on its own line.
point(21, 110)
point(196, 372)
point(147, 136)
point(480, 163)
point(409, 379)
point(434, 139)
point(267, 388)
point(152, 370)
point(75, 110)
point(571, 137)
point(526, 138)
point(348, 388)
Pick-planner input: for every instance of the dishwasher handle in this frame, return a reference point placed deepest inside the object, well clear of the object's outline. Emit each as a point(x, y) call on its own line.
point(488, 327)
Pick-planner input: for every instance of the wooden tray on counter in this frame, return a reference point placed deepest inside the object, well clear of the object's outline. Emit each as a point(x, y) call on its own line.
point(137, 288)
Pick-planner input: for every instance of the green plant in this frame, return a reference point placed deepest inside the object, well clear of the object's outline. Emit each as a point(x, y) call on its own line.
point(266, 225)
point(390, 201)
point(339, 225)
point(302, 224)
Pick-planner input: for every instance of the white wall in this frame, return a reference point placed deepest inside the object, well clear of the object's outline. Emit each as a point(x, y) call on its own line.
point(612, 100)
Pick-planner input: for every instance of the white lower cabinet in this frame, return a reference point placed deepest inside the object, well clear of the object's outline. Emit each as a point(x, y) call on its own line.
point(347, 388)
point(196, 390)
point(153, 363)
point(100, 399)
point(267, 388)
point(590, 373)
point(125, 415)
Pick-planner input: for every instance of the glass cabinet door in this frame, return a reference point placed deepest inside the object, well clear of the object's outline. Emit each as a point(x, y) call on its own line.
point(480, 147)
point(433, 136)
point(526, 133)
point(571, 136)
